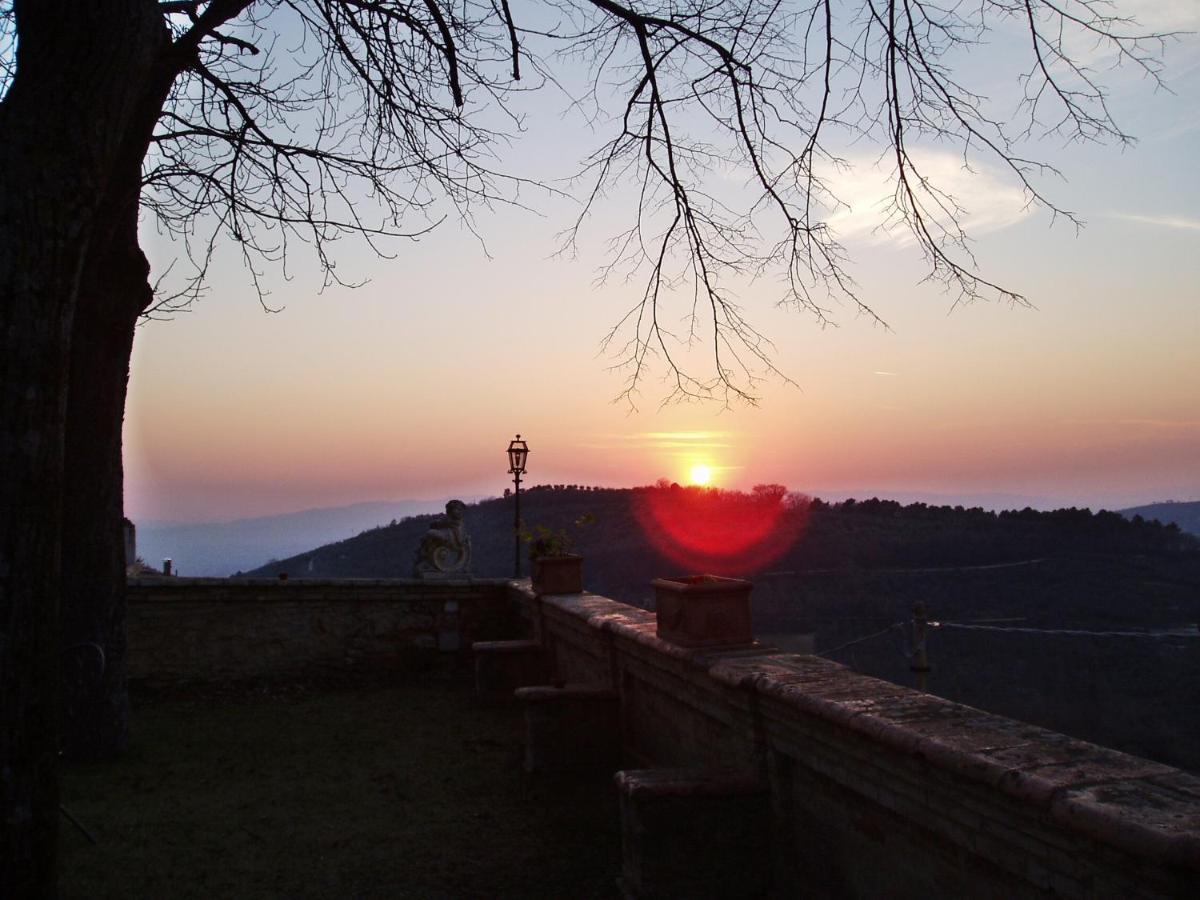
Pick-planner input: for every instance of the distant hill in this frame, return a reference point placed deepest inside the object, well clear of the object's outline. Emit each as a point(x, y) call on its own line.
point(388, 551)
point(222, 548)
point(1184, 514)
point(850, 562)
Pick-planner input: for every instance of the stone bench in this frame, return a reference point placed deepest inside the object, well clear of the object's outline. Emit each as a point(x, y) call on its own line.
point(694, 833)
point(571, 729)
point(503, 666)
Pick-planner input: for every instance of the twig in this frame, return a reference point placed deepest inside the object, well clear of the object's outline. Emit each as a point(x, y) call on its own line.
point(74, 821)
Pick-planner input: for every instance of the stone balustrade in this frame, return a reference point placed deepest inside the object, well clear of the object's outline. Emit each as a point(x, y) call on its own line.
point(872, 789)
point(876, 789)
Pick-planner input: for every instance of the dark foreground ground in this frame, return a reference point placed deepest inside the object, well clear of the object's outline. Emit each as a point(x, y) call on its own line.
point(367, 792)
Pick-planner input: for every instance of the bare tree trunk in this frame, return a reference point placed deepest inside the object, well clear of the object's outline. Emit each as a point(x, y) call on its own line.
point(113, 291)
point(79, 72)
point(41, 237)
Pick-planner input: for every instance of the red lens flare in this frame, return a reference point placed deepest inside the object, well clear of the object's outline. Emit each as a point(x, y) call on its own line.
point(718, 532)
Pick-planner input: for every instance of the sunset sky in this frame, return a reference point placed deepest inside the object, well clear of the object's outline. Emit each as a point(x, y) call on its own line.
point(411, 386)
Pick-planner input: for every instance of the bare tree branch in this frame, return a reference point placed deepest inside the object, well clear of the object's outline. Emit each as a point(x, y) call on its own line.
point(388, 100)
point(8, 45)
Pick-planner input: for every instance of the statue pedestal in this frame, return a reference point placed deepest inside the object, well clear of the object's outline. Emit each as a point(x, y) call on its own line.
point(443, 576)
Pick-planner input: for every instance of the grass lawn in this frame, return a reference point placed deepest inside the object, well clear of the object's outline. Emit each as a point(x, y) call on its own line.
point(396, 791)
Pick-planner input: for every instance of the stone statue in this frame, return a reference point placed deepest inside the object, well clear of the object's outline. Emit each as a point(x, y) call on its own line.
point(446, 547)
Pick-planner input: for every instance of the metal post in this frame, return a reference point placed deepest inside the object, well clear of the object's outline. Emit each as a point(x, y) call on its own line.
point(919, 662)
point(517, 526)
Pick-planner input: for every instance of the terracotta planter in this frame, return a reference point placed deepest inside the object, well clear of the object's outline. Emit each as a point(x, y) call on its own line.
point(703, 610)
point(558, 574)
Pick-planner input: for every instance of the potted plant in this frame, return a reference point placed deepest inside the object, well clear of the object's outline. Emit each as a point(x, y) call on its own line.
point(556, 568)
point(703, 610)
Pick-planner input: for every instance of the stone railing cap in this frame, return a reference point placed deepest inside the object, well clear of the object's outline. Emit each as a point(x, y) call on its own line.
point(1144, 807)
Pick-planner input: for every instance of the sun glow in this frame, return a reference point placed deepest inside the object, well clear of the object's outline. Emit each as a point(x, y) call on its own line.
point(701, 475)
point(718, 532)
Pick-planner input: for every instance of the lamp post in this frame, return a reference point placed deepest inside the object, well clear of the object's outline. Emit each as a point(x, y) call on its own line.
point(518, 452)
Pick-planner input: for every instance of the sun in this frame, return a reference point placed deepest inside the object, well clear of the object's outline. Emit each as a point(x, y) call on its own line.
point(701, 475)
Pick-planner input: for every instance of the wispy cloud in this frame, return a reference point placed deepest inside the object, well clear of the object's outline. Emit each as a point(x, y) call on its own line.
point(1165, 221)
point(1172, 424)
point(660, 440)
point(882, 372)
point(1163, 15)
point(1142, 17)
point(682, 435)
point(641, 436)
point(987, 202)
point(688, 445)
point(1180, 126)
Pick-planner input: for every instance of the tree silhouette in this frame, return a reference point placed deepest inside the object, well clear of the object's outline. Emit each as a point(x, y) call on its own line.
point(272, 123)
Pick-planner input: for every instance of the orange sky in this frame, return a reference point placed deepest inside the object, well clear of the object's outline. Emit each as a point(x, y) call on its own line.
point(411, 386)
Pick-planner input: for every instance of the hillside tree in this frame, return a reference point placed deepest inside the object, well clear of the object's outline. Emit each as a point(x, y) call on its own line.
point(269, 124)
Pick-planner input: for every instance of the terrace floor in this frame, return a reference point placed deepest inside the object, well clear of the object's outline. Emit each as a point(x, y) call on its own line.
point(406, 790)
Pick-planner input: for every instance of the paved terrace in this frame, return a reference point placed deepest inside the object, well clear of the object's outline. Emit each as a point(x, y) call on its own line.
point(394, 790)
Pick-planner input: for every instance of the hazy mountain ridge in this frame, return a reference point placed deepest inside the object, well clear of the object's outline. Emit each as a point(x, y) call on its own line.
point(1185, 514)
point(221, 548)
point(852, 561)
point(848, 581)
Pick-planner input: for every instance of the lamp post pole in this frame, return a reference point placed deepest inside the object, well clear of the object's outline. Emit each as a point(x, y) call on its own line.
point(518, 452)
point(517, 525)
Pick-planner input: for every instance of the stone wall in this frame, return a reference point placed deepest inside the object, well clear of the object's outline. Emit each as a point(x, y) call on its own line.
point(221, 629)
point(879, 790)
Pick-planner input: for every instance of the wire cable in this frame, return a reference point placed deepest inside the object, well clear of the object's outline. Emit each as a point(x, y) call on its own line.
point(860, 640)
point(1141, 634)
